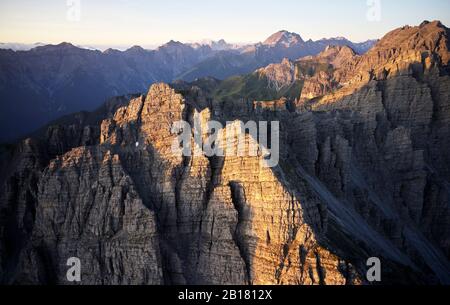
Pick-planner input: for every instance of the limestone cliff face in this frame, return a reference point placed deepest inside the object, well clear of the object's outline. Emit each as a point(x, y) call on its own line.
point(136, 213)
point(364, 171)
point(88, 208)
point(222, 220)
point(384, 142)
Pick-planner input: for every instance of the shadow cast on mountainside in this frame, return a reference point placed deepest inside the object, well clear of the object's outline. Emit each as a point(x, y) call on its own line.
point(204, 223)
point(351, 233)
point(351, 172)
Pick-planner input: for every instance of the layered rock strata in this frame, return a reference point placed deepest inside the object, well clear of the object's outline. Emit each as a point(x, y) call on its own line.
point(364, 172)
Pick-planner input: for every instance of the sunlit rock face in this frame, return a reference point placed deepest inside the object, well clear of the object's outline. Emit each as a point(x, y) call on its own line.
point(222, 220)
point(137, 213)
point(363, 172)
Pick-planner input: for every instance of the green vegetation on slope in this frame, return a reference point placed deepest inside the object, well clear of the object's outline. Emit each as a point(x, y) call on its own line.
point(311, 68)
point(253, 87)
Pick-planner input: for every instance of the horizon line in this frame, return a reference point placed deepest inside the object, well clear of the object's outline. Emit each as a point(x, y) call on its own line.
point(153, 46)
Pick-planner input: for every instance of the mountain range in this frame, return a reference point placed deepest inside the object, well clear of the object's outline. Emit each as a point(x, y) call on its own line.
point(41, 84)
point(364, 173)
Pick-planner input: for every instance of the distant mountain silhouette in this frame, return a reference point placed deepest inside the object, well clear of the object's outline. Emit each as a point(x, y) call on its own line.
point(49, 81)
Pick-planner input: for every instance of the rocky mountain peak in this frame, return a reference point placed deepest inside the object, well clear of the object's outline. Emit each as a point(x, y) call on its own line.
point(336, 39)
point(283, 38)
point(335, 51)
point(65, 45)
point(135, 49)
point(423, 40)
point(336, 55)
point(173, 45)
point(111, 51)
point(279, 75)
point(415, 52)
point(220, 45)
point(58, 47)
point(407, 51)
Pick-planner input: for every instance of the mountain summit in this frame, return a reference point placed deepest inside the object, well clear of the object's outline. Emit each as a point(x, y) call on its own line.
point(88, 77)
point(283, 38)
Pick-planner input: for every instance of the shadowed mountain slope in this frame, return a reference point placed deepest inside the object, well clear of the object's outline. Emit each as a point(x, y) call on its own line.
point(363, 172)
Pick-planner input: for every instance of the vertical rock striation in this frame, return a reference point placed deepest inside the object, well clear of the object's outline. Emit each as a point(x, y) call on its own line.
point(364, 171)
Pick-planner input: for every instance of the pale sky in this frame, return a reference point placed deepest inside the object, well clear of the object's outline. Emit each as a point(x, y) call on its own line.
point(148, 22)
